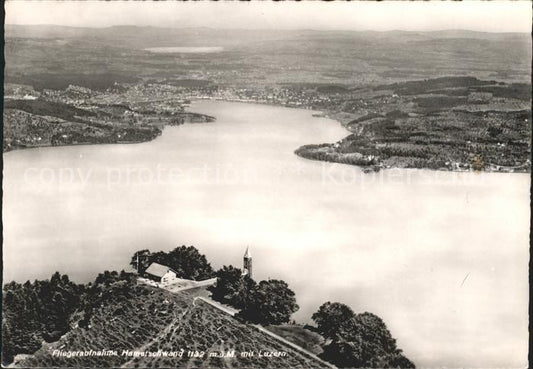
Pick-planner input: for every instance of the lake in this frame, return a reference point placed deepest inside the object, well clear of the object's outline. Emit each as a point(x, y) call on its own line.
point(442, 257)
point(185, 49)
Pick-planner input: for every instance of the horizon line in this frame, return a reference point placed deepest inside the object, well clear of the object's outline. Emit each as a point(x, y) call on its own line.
point(266, 29)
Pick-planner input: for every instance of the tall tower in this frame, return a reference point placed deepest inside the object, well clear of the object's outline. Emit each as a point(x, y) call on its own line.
point(247, 269)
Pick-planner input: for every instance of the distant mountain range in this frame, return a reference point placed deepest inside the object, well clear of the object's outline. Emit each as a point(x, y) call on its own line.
point(267, 57)
point(147, 36)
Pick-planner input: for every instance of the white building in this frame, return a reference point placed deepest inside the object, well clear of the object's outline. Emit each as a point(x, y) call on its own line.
point(161, 274)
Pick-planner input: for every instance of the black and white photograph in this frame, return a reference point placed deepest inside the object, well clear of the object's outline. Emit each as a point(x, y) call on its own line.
point(260, 184)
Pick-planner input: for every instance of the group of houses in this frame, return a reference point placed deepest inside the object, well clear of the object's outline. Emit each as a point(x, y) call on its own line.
point(165, 276)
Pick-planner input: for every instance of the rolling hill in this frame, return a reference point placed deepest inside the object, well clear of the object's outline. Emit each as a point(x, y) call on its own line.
point(155, 320)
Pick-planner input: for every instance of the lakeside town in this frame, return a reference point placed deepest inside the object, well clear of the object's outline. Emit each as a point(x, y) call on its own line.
point(446, 123)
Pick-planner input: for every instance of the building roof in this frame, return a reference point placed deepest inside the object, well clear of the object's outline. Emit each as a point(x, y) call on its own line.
point(157, 269)
point(248, 254)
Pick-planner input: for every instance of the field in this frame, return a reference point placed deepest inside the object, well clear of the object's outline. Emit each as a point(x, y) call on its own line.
point(43, 107)
point(159, 320)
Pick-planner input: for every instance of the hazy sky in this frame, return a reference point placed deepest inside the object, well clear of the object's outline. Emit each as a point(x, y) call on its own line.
point(494, 16)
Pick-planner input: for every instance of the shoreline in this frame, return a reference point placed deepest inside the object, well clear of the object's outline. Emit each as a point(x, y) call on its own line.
point(367, 168)
point(307, 151)
point(188, 118)
point(303, 152)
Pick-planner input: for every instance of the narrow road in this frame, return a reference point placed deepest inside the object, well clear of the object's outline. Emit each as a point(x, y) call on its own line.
point(232, 312)
point(228, 310)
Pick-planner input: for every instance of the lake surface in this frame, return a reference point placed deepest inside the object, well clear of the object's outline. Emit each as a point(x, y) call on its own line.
point(442, 257)
point(185, 49)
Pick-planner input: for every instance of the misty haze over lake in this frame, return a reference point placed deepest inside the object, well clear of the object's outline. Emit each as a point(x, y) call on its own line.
point(185, 49)
point(433, 253)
